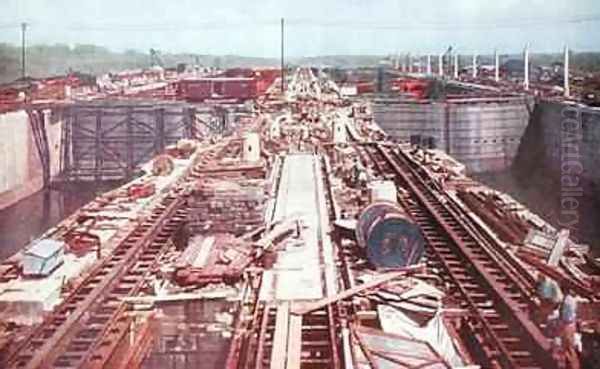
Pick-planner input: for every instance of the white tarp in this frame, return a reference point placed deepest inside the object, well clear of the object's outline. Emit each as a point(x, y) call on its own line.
point(434, 332)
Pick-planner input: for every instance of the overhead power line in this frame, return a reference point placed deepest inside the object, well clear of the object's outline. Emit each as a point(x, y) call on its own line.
point(212, 24)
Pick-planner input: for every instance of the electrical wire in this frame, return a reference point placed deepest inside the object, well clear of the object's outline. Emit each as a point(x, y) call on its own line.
point(207, 25)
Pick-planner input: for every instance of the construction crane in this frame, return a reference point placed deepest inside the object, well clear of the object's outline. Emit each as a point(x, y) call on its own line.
point(156, 59)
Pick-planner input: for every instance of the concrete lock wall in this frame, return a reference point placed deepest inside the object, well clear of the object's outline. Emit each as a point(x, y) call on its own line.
point(400, 120)
point(551, 125)
point(21, 171)
point(485, 136)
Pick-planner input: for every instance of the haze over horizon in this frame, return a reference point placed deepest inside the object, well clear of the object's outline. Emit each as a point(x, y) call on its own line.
point(313, 28)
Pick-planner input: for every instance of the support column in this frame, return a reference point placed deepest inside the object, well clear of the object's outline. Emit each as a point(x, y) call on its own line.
point(98, 147)
point(159, 139)
point(496, 66)
point(456, 66)
point(129, 142)
point(65, 144)
point(429, 65)
point(189, 120)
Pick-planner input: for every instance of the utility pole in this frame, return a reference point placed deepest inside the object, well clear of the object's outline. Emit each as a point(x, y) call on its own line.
point(526, 68)
point(566, 72)
point(282, 62)
point(23, 29)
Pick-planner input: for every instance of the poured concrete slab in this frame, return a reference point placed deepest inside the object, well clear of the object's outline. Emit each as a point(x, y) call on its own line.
point(26, 300)
point(298, 272)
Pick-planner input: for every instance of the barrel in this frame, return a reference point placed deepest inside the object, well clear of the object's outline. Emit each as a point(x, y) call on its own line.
point(389, 236)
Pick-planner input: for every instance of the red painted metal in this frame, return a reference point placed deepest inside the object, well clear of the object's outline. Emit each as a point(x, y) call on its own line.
point(490, 290)
point(240, 88)
point(84, 329)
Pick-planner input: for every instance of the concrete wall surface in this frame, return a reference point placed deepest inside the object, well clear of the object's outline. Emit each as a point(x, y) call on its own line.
point(573, 148)
point(20, 168)
point(484, 136)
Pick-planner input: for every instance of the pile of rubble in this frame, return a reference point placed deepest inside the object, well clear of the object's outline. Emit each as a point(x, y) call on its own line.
point(219, 206)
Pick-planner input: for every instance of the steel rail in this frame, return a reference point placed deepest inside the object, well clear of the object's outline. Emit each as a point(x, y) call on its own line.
point(512, 339)
point(118, 275)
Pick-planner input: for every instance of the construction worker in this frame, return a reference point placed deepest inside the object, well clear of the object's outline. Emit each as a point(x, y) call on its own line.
point(549, 295)
point(568, 328)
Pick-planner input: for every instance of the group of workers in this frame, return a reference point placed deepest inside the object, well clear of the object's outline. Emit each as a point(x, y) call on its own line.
point(557, 313)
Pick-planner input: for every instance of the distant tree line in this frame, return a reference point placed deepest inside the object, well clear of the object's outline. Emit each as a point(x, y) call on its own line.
point(59, 59)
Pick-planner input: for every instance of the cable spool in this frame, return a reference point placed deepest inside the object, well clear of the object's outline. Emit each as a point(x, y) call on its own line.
point(389, 236)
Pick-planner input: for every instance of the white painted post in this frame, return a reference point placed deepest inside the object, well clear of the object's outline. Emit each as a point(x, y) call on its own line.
point(251, 148)
point(428, 64)
point(456, 66)
point(497, 66)
point(441, 65)
point(474, 65)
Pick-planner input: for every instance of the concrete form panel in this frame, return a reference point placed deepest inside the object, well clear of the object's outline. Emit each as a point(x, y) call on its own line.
point(484, 136)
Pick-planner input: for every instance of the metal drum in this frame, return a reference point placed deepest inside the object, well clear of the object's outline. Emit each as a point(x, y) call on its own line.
point(389, 236)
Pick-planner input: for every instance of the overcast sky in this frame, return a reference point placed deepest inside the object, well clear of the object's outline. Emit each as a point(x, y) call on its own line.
point(314, 27)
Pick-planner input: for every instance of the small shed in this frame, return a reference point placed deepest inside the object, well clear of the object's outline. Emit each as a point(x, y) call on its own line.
point(43, 257)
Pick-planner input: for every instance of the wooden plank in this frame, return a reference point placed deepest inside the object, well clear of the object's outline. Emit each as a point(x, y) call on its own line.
point(294, 342)
point(559, 247)
point(304, 308)
point(280, 336)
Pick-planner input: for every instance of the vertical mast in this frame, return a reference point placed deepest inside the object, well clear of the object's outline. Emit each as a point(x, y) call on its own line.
point(23, 29)
point(566, 71)
point(526, 66)
point(282, 61)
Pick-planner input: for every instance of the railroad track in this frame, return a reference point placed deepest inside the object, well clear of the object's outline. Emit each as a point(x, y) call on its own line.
point(485, 284)
point(277, 337)
point(284, 340)
point(85, 328)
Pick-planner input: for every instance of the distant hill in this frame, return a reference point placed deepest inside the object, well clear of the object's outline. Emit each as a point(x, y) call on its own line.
point(49, 60)
point(44, 60)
